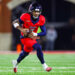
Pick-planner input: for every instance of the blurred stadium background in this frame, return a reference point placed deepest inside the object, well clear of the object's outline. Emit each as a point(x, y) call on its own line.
point(60, 15)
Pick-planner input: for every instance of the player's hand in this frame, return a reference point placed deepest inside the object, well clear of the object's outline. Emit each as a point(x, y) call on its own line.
point(32, 36)
point(25, 31)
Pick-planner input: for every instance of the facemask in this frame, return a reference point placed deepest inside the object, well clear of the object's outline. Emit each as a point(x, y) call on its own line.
point(35, 17)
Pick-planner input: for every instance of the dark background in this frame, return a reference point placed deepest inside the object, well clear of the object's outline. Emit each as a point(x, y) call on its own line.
point(57, 12)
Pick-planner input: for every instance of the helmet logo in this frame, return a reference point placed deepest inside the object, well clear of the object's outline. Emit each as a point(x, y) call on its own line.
point(37, 10)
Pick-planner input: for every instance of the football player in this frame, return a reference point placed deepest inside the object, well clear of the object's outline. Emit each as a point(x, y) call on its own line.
point(28, 24)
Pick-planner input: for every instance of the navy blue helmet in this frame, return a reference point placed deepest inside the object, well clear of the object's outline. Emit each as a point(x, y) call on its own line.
point(35, 7)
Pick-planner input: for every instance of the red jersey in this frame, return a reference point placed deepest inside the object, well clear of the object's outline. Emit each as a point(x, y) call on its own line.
point(28, 23)
point(26, 18)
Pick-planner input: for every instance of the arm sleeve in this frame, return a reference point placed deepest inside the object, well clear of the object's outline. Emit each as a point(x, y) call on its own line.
point(43, 29)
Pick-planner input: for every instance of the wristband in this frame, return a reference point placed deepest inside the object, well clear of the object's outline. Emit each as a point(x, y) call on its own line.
point(15, 25)
point(34, 34)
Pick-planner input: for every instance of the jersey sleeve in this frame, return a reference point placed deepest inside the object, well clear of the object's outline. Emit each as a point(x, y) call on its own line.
point(43, 20)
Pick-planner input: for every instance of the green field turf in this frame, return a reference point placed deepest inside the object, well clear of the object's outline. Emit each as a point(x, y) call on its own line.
point(62, 64)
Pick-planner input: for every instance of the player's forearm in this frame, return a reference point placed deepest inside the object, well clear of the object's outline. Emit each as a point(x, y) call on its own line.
point(16, 24)
point(41, 34)
point(43, 29)
point(19, 28)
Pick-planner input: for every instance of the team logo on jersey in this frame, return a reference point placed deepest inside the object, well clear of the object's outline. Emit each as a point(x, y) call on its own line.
point(32, 28)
